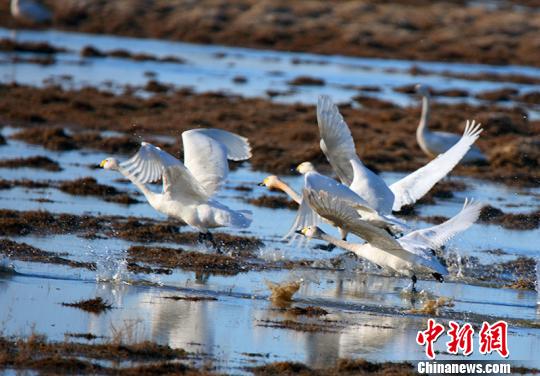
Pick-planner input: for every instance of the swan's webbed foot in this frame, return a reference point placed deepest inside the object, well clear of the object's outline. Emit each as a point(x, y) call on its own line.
point(208, 237)
point(438, 277)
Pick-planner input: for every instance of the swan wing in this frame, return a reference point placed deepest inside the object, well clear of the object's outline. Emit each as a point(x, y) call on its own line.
point(305, 216)
point(179, 185)
point(438, 235)
point(206, 159)
point(238, 147)
point(337, 143)
point(412, 187)
point(147, 165)
point(344, 214)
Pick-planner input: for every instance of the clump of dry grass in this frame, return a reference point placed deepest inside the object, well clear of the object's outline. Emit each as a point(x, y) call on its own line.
point(281, 294)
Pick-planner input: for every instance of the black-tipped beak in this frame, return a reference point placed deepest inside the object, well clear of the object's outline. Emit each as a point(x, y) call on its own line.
point(261, 184)
point(299, 232)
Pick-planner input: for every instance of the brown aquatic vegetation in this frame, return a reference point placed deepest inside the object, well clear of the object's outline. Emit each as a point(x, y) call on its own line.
point(520, 221)
point(188, 260)
point(91, 51)
point(90, 187)
point(25, 183)
point(341, 367)
point(57, 139)
point(97, 305)
point(307, 311)
point(281, 294)
point(41, 162)
point(38, 354)
point(24, 252)
point(432, 306)
point(306, 81)
point(449, 30)
point(286, 134)
point(191, 298)
point(10, 45)
point(300, 326)
point(523, 284)
point(274, 202)
point(88, 336)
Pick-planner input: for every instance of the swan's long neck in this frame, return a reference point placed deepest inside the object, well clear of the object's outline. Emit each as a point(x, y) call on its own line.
point(289, 191)
point(338, 242)
point(422, 129)
point(150, 196)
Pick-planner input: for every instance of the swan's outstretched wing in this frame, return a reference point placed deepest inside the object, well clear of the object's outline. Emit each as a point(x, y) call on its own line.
point(438, 235)
point(238, 147)
point(344, 214)
point(337, 143)
point(181, 186)
point(148, 163)
point(305, 216)
point(412, 187)
point(206, 159)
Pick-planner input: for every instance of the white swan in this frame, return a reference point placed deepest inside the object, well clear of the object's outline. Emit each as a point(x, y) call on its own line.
point(30, 11)
point(317, 184)
point(410, 255)
point(338, 146)
point(274, 182)
point(434, 143)
point(188, 188)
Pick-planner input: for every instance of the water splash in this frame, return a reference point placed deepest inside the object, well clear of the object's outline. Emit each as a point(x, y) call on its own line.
point(538, 281)
point(110, 266)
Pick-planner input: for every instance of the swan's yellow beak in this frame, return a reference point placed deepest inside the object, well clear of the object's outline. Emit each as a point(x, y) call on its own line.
point(102, 164)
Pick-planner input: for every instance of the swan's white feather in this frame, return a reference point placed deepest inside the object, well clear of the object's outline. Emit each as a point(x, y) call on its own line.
point(412, 187)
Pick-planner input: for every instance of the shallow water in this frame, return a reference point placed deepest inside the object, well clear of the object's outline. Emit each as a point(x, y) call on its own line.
point(213, 68)
point(369, 307)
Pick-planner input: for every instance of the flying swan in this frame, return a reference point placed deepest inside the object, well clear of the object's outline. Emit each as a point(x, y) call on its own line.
point(435, 143)
point(410, 255)
point(188, 187)
point(338, 146)
point(308, 213)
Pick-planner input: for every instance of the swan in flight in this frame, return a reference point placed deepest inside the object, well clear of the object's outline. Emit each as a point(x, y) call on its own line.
point(317, 184)
point(434, 143)
point(274, 182)
point(30, 11)
point(338, 146)
point(188, 187)
point(409, 255)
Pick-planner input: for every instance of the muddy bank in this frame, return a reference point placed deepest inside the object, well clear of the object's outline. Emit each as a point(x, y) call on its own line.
point(97, 305)
point(90, 51)
point(521, 221)
point(188, 260)
point(44, 163)
point(448, 31)
point(282, 135)
point(36, 353)
point(9, 45)
point(24, 252)
point(17, 223)
point(273, 202)
point(79, 187)
point(90, 187)
point(57, 139)
point(341, 367)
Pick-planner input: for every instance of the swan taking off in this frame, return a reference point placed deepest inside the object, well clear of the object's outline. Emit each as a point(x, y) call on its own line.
point(188, 187)
point(317, 185)
point(410, 255)
point(435, 143)
point(338, 146)
point(30, 11)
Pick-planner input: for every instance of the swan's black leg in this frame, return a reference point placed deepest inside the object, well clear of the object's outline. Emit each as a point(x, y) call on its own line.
point(414, 279)
point(438, 277)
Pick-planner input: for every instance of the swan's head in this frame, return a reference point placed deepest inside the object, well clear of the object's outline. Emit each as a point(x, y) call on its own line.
point(109, 164)
point(271, 182)
point(305, 167)
point(311, 232)
point(422, 90)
